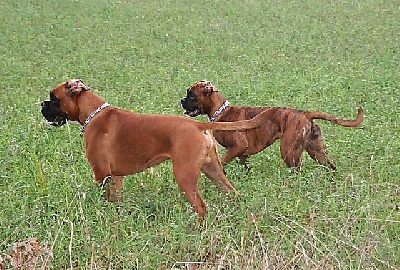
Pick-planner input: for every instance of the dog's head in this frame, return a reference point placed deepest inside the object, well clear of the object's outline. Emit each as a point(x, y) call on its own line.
point(62, 105)
point(198, 98)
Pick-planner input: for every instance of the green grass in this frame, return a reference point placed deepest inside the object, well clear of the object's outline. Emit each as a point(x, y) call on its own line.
point(142, 55)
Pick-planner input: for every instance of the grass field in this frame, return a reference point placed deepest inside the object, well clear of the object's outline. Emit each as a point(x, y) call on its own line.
point(142, 55)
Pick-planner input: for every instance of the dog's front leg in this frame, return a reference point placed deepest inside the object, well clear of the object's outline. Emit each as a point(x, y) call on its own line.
point(236, 149)
point(113, 187)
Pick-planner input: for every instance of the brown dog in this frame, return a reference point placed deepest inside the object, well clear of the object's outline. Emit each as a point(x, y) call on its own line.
point(119, 142)
point(295, 128)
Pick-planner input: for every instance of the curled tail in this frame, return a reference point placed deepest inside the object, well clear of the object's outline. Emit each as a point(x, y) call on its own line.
point(343, 122)
point(239, 125)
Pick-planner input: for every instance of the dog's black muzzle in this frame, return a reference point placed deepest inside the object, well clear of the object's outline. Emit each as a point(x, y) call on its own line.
point(51, 111)
point(190, 107)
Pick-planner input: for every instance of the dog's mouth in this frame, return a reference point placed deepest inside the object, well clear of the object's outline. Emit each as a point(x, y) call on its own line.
point(53, 116)
point(58, 121)
point(190, 107)
point(192, 113)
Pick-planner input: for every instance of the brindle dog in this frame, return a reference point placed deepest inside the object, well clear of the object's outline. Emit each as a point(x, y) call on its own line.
point(295, 128)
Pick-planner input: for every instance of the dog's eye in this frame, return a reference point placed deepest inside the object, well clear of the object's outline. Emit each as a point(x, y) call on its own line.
point(191, 95)
point(53, 99)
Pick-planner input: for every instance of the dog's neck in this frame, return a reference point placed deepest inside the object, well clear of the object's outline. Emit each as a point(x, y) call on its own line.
point(219, 111)
point(94, 105)
point(93, 114)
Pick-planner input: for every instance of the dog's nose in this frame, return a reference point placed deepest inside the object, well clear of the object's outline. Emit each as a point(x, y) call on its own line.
point(43, 104)
point(183, 100)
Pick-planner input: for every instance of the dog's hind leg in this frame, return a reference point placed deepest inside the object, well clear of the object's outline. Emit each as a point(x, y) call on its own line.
point(315, 147)
point(212, 166)
point(320, 156)
point(214, 171)
point(187, 180)
point(291, 150)
point(186, 167)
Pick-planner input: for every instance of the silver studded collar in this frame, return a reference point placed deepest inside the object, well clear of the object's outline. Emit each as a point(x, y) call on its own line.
point(92, 114)
point(219, 111)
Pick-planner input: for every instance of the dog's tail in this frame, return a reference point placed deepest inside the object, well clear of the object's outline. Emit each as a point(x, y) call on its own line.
point(239, 125)
point(343, 122)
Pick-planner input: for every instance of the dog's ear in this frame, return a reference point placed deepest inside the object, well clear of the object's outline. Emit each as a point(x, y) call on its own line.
point(209, 87)
point(75, 86)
